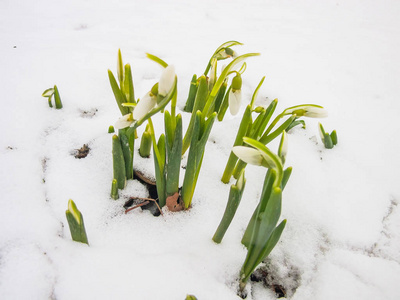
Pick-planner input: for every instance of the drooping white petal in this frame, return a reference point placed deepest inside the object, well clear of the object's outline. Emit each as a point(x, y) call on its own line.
point(234, 101)
point(166, 81)
point(315, 112)
point(307, 110)
point(248, 155)
point(124, 121)
point(144, 106)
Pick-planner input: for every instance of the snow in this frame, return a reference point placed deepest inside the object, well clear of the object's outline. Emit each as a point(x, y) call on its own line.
point(342, 237)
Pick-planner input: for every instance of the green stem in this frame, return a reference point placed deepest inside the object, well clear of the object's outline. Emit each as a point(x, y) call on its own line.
point(243, 127)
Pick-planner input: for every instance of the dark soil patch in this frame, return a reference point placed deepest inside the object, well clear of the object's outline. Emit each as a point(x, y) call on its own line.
point(82, 152)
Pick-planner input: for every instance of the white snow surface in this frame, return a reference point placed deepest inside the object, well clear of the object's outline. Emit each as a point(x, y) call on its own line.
point(342, 238)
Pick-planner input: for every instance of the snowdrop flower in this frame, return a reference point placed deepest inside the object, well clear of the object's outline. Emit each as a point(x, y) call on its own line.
point(248, 155)
point(254, 156)
point(146, 104)
point(166, 81)
point(225, 53)
point(308, 110)
point(235, 94)
point(124, 121)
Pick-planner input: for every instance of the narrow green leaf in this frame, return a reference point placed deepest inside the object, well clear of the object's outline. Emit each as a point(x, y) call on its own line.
point(200, 98)
point(118, 162)
point(255, 94)
point(334, 137)
point(267, 138)
point(235, 195)
point(114, 189)
point(224, 105)
point(120, 68)
point(243, 127)
point(285, 178)
point(57, 98)
point(192, 94)
point(174, 154)
point(129, 90)
point(119, 97)
point(157, 60)
point(76, 223)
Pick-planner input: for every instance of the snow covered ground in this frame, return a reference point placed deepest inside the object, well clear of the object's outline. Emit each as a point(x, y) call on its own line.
point(342, 239)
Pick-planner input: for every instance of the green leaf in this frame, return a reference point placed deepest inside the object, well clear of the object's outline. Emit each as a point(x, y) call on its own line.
point(76, 223)
point(255, 94)
point(119, 170)
point(192, 94)
point(128, 88)
point(114, 189)
point(272, 241)
point(200, 98)
point(174, 152)
point(120, 68)
point(235, 195)
point(119, 97)
point(57, 98)
point(243, 127)
point(267, 138)
point(159, 164)
point(264, 198)
point(334, 137)
point(265, 223)
point(157, 60)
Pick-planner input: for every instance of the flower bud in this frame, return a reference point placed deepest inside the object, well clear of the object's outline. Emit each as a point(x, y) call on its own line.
point(144, 106)
point(308, 110)
point(166, 81)
point(124, 121)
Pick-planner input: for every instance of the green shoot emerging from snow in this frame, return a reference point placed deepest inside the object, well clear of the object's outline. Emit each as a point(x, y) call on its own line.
point(57, 99)
point(75, 222)
point(263, 231)
point(329, 140)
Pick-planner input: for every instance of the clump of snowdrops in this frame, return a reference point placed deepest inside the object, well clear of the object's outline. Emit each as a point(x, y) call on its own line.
point(209, 98)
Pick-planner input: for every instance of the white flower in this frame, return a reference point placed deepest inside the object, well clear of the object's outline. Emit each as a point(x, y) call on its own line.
point(144, 106)
point(249, 155)
point(311, 111)
point(124, 121)
point(166, 81)
point(234, 101)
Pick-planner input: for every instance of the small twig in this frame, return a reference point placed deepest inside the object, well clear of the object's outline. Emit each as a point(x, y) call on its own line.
point(146, 201)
